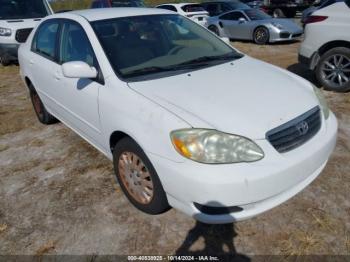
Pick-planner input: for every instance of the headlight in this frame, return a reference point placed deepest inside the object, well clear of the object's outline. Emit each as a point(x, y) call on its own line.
point(279, 26)
point(214, 147)
point(5, 31)
point(322, 101)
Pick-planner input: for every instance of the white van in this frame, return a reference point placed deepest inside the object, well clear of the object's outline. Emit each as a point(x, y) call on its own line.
point(17, 20)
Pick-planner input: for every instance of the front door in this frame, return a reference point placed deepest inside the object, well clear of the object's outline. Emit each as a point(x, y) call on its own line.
point(78, 98)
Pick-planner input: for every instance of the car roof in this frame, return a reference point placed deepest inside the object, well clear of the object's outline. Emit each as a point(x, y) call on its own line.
point(114, 12)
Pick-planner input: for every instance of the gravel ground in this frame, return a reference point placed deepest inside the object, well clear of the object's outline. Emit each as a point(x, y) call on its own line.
point(58, 194)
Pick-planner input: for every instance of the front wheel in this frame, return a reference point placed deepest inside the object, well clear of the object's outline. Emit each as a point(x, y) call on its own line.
point(333, 69)
point(261, 36)
point(138, 178)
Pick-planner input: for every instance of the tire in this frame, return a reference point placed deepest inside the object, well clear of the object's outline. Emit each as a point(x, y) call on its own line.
point(278, 13)
point(135, 173)
point(4, 61)
point(43, 115)
point(261, 35)
point(214, 29)
point(333, 64)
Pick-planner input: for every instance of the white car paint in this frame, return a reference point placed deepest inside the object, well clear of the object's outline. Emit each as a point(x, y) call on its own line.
point(9, 44)
point(245, 97)
point(334, 28)
point(199, 17)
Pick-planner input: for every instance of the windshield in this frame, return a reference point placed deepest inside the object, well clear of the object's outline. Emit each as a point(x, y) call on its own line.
point(121, 3)
point(23, 9)
point(142, 46)
point(255, 14)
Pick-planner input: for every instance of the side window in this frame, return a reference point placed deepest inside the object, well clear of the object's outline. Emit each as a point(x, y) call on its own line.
point(45, 39)
point(75, 45)
point(233, 16)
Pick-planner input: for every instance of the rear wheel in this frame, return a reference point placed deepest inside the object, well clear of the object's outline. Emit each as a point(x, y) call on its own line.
point(333, 70)
point(43, 115)
point(214, 29)
point(261, 36)
point(138, 178)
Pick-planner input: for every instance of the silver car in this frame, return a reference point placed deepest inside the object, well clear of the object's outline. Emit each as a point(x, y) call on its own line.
point(253, 24)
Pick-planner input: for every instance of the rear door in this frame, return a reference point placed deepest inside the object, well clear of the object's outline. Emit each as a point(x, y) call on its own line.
point(43, 62)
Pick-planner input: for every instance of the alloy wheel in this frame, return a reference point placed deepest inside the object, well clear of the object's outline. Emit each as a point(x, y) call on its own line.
point(261, 36)
point(136, 177)
point(336, 70)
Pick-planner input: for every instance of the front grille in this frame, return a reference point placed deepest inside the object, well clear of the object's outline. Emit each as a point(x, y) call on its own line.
point(284, 35)
point(22, 34)
point(295, 132)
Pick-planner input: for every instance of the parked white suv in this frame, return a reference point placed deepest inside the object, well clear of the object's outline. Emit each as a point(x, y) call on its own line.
point(326, 48)
point(194, 11)
point(17, 20)
point(178, 111)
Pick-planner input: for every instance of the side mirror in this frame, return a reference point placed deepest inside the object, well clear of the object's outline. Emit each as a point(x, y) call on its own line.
point(242, 20)
point(78, 69)
point(226, 40)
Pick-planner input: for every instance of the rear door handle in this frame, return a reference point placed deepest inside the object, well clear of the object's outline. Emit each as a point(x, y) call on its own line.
point(31, 62)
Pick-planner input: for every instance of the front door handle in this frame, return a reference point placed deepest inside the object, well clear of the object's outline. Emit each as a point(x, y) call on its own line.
point(31, 62)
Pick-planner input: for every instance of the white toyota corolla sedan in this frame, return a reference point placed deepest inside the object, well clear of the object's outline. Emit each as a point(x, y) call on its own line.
point(188, 121)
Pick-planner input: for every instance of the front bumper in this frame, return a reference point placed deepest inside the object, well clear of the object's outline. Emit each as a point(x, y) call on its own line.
point(9, 51)
point(253, 187)
point(285, 35)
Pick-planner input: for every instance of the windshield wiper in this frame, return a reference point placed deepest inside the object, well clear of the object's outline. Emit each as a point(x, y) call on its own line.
point(206, 59)
point(150, 70)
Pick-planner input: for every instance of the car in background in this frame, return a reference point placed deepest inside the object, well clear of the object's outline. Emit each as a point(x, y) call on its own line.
point(326, 47)
point(175, 108)
point(216, 8)
point(318, 5)
point(280, 8)
point(253, 24)
point(17, 19)
point(116, 3)
point(194, 11)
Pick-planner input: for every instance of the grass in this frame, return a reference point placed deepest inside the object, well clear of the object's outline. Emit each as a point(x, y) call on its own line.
point(50, 245)
point(3, 227)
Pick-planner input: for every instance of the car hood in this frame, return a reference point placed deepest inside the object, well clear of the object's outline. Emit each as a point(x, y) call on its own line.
point(15, 24)
point(246, 97)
